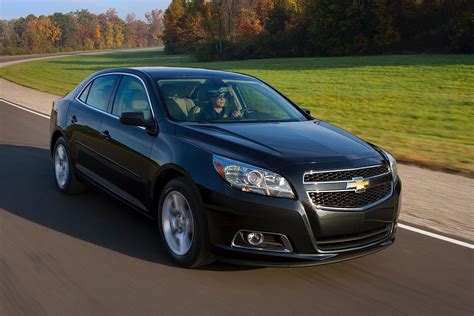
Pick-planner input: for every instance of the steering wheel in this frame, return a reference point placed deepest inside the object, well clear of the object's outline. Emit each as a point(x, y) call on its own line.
point(248, 110)
point(245, 112)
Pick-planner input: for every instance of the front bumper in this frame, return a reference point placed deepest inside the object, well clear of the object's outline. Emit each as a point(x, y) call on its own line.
point(257, 258)
point(228, 211)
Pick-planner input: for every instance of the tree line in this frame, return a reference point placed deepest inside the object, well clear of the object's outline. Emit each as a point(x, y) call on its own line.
point(79, 30)
point(237, 29)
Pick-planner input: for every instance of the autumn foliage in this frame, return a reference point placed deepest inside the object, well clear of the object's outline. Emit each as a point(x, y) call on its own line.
point(239, 29)
point(79, 30)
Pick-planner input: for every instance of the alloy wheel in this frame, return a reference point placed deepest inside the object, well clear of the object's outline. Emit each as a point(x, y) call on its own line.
point(178, 223)
point(61, 166)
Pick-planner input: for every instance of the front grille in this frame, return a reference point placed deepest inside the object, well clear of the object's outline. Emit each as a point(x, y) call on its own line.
point(350, 241)
point(350, 199)
point(342, 175)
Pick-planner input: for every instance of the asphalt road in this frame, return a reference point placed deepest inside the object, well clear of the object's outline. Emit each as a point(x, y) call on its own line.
point(89, 255)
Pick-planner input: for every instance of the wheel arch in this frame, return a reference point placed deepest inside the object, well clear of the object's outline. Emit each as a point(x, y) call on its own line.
point(165, 175)
point(54, 137)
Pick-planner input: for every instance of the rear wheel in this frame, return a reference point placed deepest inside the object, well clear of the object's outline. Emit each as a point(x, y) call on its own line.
point(64, 171)
point(182, 224)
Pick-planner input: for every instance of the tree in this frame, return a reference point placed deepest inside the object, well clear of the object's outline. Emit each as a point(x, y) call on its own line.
point(42, 34)
point(462, 36)
point(172, 20)
point(89, 43)
point(130, 31)
point(277, 18)
point(54, 32)
point(214, 25)
point(337, 28)
point(155, 22)
point(81, 30)
point(381, 29)
point(118, 35)
point(69, 30)
point(143, 30)
point(8, 38)
point(87, 22)
point(247, 25)
point(231, 10)
point(98, 37)
point(109, 35)
point(20, 37)
point(112, 16)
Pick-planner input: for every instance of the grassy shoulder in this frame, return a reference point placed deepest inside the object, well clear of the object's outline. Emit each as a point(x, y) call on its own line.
point(419, 107)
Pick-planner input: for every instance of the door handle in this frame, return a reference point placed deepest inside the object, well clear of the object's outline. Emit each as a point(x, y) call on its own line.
point(73, 119)
point(106, 135)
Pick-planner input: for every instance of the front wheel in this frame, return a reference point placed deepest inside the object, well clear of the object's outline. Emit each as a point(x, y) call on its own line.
point(182, 224)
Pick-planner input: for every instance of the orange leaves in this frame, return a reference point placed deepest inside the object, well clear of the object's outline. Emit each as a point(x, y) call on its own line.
point(247, 24)
point(41, 34)
point(155, 20)
point(78, 30)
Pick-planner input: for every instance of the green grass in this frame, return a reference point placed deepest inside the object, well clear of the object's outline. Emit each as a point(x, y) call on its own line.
point(419, 107)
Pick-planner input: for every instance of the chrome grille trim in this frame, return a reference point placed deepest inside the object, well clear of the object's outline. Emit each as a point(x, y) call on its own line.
point(311, 172)
point(358, 208)
point(342, 185)
point(318, 187)
point(362, 208)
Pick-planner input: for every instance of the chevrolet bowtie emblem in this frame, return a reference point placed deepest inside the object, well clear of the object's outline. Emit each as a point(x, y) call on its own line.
point(359, 184)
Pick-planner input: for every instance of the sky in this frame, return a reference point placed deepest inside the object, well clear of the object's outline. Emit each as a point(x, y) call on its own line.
point(10, 9)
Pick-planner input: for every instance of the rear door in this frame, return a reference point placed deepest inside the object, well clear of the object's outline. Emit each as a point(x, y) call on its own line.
point(85, 116)
point(125, 151)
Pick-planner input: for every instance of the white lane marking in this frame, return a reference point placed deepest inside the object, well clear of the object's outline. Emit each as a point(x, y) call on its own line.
point(25, 109)
point(413, 229)
point(437, 236)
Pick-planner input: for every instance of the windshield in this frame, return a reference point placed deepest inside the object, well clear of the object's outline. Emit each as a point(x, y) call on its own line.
point(207, 100)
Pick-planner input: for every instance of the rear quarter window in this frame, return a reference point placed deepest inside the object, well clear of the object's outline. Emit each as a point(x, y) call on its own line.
point(84, 93)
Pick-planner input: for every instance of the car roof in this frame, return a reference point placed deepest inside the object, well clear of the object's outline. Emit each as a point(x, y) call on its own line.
point(168, 72)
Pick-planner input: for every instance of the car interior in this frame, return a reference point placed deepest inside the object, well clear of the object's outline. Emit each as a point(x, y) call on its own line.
point(186, 99)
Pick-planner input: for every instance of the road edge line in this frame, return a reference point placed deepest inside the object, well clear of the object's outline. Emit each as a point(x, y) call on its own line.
point(25, 108)
point(407, 227)
point(437, 236)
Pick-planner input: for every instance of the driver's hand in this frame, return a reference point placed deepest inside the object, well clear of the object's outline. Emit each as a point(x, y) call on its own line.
point(237, 113)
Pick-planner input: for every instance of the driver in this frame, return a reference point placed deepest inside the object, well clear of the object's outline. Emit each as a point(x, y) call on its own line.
point(218, 108)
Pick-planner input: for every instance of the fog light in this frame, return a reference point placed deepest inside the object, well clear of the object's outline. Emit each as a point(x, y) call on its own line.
point(255, 239)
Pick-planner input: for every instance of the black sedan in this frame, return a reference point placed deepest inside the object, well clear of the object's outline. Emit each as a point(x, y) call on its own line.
point(228, 167)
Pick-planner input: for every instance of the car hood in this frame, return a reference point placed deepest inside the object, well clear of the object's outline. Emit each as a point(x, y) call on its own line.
point(279, 143)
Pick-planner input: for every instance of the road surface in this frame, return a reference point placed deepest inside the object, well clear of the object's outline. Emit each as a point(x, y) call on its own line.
point(89, 255)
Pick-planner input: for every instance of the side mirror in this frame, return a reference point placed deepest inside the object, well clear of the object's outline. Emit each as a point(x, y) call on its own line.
point(137, 119)
point(307, 111)
point(133, 118)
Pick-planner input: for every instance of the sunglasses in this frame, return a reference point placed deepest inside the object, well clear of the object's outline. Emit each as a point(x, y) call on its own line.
point(219, 96)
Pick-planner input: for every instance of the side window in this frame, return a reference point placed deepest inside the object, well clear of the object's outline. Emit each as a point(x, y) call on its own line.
point(100, 92)
point(85, 92)
point(131, 97)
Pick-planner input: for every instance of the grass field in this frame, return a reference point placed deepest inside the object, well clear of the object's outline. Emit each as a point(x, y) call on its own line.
point(419, 107)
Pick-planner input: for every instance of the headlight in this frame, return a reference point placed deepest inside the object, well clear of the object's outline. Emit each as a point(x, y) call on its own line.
point(249, 178)
point(393, 164)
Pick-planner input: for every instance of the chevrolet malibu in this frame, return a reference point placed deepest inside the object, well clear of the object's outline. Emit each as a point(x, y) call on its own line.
point(228, 167)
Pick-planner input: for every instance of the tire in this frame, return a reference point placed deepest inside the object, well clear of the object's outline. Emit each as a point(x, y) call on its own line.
point(182, 224)
point(64, 172)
